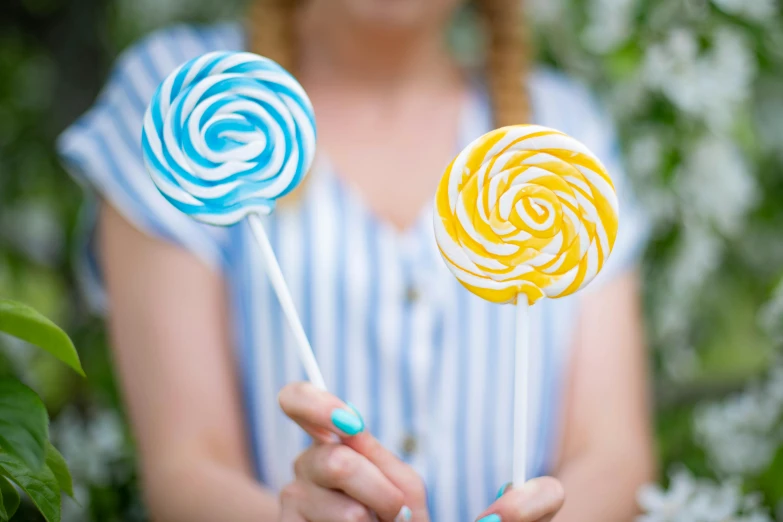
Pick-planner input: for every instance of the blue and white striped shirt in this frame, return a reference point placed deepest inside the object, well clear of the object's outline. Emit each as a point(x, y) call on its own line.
point(427, 363)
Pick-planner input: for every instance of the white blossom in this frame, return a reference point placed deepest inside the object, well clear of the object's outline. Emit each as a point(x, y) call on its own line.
point(645, 152)
point(769, 115)
point(716, 186)
point(94, 448)
point(681, 362)
point(644, 155)
point(698, 255)
point(661, 505)
point(774, 385)
point(742, 433)
point(730, 68)
point(692, 500)
point(76, 509)
point(34, 229)
point(671, 66)
point(629, 96)
point(709, 85)
point(756, 10)
point(695, 260)
point(610, 24)
point(771, 315)
point(718, 502)
point(545, 12)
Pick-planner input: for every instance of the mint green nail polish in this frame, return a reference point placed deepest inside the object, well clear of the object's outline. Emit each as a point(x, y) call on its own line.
point(502, 490)
point(494, 517)
point(347, 422)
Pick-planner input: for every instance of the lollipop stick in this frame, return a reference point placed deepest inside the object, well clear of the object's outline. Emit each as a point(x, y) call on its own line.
point(521, 373)
point(304, 350)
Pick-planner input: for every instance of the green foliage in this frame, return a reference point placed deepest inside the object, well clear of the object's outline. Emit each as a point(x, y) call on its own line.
point(56, 463)
point(23, 322)
point(10, 499)
point(40, 485)
point(24, 423)
point(696, 91)
point(27, 458)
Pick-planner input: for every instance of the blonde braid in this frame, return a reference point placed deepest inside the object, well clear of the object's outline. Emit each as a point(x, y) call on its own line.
point(272, 33)
point(507, 60)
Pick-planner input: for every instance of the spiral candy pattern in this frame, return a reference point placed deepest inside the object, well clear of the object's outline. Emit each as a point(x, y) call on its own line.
point(226, 134)
point(525, 209)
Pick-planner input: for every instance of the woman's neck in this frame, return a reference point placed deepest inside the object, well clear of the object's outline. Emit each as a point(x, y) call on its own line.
point(335, 51)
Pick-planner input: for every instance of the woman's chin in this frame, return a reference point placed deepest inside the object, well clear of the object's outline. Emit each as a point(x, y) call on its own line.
point(396, 14)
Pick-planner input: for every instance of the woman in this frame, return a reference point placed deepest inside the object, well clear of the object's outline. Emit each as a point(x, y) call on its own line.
point(202, 349)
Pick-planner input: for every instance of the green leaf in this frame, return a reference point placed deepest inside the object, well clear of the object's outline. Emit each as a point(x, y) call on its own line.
point(27, 324)
point(40, 485)
point(24, 423)
point(3, 514)
point(10, 499)
point(56, 463)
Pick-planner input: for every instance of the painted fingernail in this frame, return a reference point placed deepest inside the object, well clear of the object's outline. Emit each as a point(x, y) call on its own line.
point(494, 517)
point(502, 491)
point(404, 515)
point(347, 421)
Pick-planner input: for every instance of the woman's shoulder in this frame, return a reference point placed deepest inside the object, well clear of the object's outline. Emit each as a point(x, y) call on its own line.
point(192, 38)
point(102, 148)
point(155, 55)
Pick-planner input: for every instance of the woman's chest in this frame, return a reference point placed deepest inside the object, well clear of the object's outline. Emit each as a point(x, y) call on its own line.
point(379, 307)
point(428, 364)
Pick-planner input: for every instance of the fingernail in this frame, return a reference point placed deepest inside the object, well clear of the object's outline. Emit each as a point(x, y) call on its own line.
point(347, 422)
point(494, 517)
point(502, 491)
point(530, 487)
point(404, 515)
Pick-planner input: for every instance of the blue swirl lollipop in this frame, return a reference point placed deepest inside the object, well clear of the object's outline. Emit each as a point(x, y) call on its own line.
point(226, 134)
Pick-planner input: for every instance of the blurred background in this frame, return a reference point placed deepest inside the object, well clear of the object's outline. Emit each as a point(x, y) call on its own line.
point(696, 88)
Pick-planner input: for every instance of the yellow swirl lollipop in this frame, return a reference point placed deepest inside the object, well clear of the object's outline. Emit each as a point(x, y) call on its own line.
point(525, 210)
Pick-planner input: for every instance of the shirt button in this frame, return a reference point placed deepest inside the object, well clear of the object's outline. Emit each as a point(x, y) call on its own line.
point(412, 294)
point(409, 445)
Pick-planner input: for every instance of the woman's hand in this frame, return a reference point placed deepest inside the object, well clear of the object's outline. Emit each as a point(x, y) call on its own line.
point(346, 475)
point(538, 500)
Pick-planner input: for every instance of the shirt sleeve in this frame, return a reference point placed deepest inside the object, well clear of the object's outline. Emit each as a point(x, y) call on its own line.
point(102, 151)
point(570, 106)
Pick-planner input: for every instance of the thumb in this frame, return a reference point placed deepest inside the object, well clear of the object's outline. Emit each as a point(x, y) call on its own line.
point(536, 500)
point(398, 472)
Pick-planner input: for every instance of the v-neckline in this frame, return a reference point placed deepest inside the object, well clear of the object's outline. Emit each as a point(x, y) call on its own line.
point(472, 120)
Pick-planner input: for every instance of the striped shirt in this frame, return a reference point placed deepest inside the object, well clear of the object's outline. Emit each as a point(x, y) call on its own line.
point(427, 363)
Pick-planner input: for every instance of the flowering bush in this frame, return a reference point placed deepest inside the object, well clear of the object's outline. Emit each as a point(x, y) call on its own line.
point(689, 85)
point(742, 433)
point(697, 500)
point(696, 88)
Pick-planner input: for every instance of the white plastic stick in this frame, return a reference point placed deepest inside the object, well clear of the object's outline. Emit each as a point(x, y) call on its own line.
point(304, 350)
point(521, 383)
